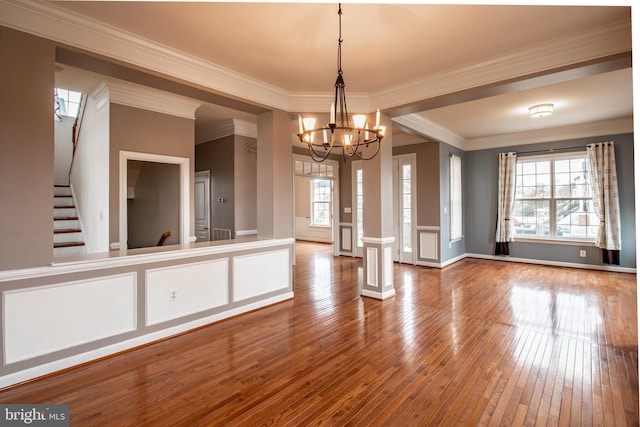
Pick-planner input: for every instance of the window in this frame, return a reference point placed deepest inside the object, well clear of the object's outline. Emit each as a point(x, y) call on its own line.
point(67, 102)
point(455, 197)
point(359, 208)
point(407, 218)
point(553, 198)
point(321, 202)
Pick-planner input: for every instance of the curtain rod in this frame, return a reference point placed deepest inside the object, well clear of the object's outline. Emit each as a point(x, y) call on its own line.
point(551, 150)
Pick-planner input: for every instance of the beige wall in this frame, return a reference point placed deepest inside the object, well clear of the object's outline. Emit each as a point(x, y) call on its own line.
point(143, 131)
point(27, 145)
point(427, 181)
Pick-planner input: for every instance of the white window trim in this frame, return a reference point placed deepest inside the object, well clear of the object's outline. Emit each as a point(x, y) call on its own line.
point(574, 241)
point(453, 239)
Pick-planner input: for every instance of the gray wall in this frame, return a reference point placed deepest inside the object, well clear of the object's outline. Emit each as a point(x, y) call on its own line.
point(26, 142)
point(217, 156)
point(144, 131)
point(480, 183)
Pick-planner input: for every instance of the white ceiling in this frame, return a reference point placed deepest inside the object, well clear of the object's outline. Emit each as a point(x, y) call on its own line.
point(292, 47)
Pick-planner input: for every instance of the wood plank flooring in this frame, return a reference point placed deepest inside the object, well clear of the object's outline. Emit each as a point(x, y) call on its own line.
point(477, 343)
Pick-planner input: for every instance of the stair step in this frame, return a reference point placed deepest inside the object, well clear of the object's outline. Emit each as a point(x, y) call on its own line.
point(61, 190)
point(65, 218)
point(60, 201)
point(67, 244)
point(67, 230)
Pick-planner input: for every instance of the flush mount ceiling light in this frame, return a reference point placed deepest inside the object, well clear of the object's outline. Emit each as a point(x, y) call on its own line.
point(541, 110)
point(338, 133)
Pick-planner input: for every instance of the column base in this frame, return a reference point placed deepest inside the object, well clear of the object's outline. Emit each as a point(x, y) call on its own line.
point(378, 268)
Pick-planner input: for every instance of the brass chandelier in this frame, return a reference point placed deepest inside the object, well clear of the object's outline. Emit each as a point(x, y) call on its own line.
point(338, 133)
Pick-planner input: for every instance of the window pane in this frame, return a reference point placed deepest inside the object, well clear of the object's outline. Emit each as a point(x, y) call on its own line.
point(576, 218)
point(531, 218)
point(321, 213)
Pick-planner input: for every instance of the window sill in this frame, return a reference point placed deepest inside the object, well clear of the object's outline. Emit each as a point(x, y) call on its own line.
point(574, 242)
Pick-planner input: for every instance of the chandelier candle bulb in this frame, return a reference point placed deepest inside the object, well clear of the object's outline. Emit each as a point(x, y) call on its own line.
point(332, 114)
point(359, 120)
point(301, 127)
point(377, 119)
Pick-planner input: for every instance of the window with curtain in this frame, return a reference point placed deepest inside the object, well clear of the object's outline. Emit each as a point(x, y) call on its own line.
point(553, 198)
point(455, 197)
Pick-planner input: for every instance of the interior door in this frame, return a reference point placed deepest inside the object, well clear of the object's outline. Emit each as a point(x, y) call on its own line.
point(202, 207)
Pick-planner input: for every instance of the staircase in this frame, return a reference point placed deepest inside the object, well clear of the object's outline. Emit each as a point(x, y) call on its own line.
point(67, 235)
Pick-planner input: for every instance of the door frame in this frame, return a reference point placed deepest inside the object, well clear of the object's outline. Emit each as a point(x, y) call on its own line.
point(183, 162)
point(335, 199)
point(399, 255)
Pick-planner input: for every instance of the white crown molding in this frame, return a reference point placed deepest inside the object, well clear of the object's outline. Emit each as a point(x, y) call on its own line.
point(599, 128)
point(146, 98)
point(244, 128)
point(421, 125)
point(50, 21)
point(600, 42)
point(217, 131)
point(227, 128)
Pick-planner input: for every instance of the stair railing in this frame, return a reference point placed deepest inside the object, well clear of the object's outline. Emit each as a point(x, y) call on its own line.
point(77, 126)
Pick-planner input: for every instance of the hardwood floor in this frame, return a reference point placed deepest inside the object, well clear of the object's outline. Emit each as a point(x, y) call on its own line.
point(476, 343)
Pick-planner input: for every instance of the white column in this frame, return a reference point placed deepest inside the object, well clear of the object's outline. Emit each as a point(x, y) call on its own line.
point(378, 221)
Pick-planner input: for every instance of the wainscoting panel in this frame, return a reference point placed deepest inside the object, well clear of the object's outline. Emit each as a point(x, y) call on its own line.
point(177, 291)
point(372, 267)
point(345, 239)
point(428, 245)
point(258, 274)
point(45, 319)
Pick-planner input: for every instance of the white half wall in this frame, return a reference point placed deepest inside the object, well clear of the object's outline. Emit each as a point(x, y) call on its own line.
point(45, 319)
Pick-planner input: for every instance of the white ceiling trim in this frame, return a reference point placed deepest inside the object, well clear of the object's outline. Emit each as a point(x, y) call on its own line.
point(422, 126)
point(143, 97)
point(227, 128)
point(50, 21)
point(598, 43)
point(599, 128)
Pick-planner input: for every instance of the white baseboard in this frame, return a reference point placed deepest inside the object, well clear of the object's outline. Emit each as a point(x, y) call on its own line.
point(603, 267)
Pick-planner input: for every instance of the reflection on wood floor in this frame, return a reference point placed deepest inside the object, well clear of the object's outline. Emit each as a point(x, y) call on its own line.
point(479, 342)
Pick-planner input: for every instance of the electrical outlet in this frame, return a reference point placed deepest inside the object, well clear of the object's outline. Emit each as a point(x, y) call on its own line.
point(173, 294)
point(583, 253)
